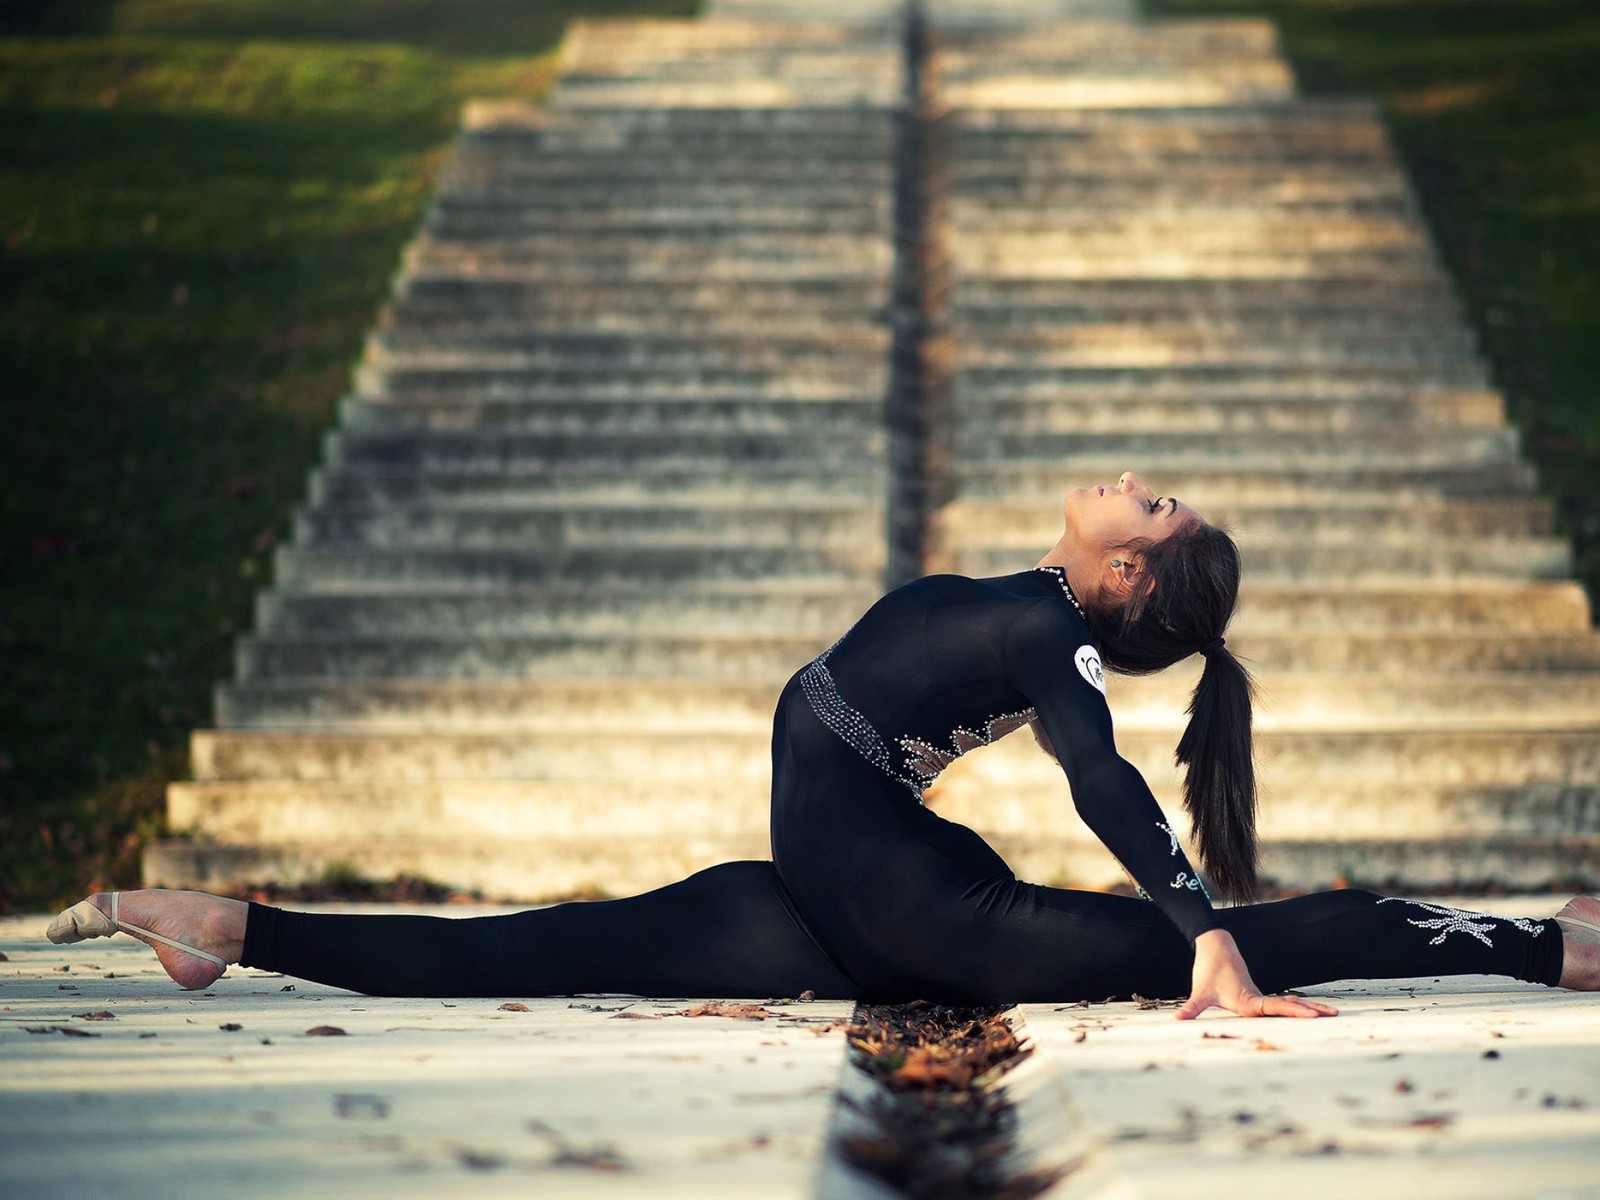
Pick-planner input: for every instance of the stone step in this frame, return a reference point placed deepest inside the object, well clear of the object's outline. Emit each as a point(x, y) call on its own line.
point(491, 349)
point(1264, 480)
point(1326, 701)
point(557, 529)
point(1169, 193)
point(826, 610)
point(822, 610)
point(1385, 654)
point(514, 259)
point(488, 706)
point(533, 870)
point(1130, 87)
point(599, 252)
point(1282, 117)
point(577, 413)
point(630, 173)
point(1307, 452)
point(444, 322)
point(588, 36)
point(1377, 520)
point(880, 89)
point(665, 233)
point(1219, 380)
point(1421, 295)
point(1463, 700)
point(492, 450)
point(1288, 560)
point(1225, 231)
point(1247, 416)
point(1077, 323)
point(1470, 771)
point(1088, 37)
point(862, 378)
point(512, 123)
point(587, 482)
point(508, 296)
point(700, 655)
point(347, 567)
point(1450, 348)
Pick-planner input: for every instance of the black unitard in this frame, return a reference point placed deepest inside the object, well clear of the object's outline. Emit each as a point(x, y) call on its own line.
point(870, 895)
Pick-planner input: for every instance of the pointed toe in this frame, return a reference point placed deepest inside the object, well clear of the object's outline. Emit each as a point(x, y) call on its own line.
point(80, 922)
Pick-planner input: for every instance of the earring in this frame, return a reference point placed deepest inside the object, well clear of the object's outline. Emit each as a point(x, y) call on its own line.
point(1116, 562)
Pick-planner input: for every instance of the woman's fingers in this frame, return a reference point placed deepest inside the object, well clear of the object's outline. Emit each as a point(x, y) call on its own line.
point(1257, 1006)
point(1293, 1006)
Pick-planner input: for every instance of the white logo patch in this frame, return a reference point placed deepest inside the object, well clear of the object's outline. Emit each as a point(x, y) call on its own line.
point(1088, 660)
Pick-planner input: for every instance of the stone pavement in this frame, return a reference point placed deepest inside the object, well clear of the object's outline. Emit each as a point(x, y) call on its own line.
point(224, 1092)
point(1476, 1088)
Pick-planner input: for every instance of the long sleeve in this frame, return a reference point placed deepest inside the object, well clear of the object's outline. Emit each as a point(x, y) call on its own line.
point(1050, 659)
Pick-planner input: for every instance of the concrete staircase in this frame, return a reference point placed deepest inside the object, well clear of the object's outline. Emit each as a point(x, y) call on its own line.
point(1162, 259)
point(612, 468)
point(624, 450)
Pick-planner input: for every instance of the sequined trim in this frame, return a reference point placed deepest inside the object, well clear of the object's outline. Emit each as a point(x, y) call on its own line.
point(1060, 575)
point(1457, 920)
point(816, 681)
point(1192, 882)
point(926, 761)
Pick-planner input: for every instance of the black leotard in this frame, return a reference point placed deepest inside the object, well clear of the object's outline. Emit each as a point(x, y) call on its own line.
point(872, 895)
point(947, 664)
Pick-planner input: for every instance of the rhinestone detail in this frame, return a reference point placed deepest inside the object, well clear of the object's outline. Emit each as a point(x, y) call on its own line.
point(1457, 920)
point(1060, 576)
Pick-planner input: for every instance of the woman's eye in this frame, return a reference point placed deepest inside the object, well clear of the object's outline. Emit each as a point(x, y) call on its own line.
point(1155, 505)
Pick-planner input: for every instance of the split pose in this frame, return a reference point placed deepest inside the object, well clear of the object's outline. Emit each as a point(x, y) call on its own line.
point(870, 895)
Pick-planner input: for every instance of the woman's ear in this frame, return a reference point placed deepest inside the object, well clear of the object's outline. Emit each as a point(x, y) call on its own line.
point(1122, 576)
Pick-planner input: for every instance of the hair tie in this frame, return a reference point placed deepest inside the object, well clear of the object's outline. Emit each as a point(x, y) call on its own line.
point(1212, 646)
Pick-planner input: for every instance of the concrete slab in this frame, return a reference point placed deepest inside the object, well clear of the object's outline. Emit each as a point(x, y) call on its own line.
point(1467, 1087)
point(182, 1094)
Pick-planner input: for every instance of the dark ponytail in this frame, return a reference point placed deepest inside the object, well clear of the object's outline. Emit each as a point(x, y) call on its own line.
point(1190, 588)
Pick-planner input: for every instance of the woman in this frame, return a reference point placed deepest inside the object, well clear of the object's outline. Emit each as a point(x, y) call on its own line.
point(870, 895)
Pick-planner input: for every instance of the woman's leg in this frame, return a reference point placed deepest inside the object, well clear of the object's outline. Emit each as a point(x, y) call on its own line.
point(726, 931)
point(1114, 945)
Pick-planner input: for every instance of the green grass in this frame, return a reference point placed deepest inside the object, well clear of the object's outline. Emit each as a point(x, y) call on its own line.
point(1495, 108)
point(201, 204)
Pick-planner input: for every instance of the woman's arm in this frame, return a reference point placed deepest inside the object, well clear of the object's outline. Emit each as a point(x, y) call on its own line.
point(1050, 660)
point(1222, 980)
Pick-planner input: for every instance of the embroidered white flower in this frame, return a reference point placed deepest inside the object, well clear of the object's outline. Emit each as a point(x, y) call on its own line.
point(1456, 920)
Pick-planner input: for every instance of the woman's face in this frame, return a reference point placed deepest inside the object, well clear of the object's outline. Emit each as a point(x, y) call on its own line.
point(1099, 518)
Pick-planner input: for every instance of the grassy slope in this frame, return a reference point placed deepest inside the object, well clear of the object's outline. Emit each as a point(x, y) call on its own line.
point(201, 202)
point(1495, 107)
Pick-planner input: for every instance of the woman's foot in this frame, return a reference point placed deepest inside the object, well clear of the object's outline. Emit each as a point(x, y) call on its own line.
point(1580, 944)
point(209, 923)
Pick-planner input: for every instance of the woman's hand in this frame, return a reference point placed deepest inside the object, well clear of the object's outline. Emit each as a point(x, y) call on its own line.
point(1222, 979)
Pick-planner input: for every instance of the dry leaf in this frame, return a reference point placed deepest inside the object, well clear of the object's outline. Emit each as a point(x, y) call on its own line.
point(723, 1008)
point(1403, 1086)
point(325, 1031)
point(1430, 1122)
point(102, 1015)
point(636, 1016)
point(1232, 1037)
point(1261, 1044)
point(514, 1006)
point(231, 1027)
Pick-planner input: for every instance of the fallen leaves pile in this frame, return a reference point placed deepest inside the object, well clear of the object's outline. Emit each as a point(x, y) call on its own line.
point(940, 1123)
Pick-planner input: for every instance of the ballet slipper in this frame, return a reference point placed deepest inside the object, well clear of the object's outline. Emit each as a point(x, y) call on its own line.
point(1585, 936)
point(85, 920)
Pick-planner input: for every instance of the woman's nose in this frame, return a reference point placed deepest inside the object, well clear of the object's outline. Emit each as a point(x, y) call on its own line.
point(1131, 483)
